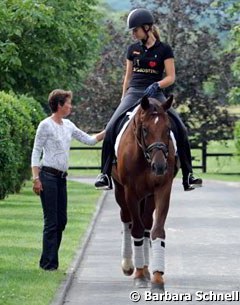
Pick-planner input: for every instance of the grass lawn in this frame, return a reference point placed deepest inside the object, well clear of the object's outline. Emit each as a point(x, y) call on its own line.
point(21, 280)
point(84, 158)
point(219, 168)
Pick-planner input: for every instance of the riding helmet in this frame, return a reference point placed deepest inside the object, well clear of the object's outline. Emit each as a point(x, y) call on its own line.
point(139, 17)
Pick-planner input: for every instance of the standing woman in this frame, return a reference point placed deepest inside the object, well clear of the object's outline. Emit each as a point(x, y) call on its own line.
point(147, 59)
point(52, 142)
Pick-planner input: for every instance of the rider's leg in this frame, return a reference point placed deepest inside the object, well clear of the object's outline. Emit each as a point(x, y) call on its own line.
point(184, 153)
point(128, 102)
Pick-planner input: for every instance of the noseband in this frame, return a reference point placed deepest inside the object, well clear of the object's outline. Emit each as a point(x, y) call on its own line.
point(158, 146)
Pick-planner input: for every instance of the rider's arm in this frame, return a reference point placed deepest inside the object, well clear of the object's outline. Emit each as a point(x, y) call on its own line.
point(169, 79)
point(128, 75)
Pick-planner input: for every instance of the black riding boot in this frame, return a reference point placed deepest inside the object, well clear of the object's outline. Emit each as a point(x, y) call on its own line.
point(104, 181)
point(184, 153)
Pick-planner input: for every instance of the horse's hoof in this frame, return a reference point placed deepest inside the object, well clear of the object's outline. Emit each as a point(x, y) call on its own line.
point(157, 288)
point(140, 282)
point(147, 275)
point(128, 272)
point(127, 266)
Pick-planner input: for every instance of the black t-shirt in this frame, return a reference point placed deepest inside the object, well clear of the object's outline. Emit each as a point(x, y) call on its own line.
point(148, 64)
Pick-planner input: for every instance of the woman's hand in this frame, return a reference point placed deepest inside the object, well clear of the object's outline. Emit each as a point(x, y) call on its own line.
point(152, 90)
point(100, 136)
point(37, 186)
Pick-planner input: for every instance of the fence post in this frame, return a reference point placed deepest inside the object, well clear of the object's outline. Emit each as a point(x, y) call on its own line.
point(204, 156)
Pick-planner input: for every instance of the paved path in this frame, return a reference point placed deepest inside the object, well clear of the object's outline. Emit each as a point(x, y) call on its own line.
point(202, 250)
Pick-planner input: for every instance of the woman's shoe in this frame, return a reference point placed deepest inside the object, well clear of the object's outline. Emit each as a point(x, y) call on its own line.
point(103, 182)
point(191, 183)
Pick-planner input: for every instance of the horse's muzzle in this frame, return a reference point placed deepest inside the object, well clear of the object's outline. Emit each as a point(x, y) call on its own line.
point(159, 169)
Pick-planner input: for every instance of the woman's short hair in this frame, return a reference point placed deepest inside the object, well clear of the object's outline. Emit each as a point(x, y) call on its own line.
point(58, 97)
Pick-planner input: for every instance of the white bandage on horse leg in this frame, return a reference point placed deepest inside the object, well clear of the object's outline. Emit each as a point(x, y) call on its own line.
point(126, 250)
point(138, 252)
point(158, 253)
point(146, 247)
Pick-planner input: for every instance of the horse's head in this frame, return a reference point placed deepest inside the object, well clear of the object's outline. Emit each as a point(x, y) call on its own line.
point(153, 132)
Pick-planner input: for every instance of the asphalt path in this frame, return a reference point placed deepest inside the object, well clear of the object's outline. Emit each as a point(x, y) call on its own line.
point(202, 252)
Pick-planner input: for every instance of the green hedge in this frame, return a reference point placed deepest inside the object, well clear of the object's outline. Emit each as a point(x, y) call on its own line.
point(19, 117)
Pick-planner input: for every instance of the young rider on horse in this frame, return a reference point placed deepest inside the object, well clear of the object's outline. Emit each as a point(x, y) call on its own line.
point(146, 61)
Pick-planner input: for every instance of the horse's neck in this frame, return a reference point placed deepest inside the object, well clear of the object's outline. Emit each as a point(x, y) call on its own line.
point(137, 152)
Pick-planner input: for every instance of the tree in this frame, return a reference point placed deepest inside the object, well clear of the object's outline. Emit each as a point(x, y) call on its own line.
point(195, 31)
point(102, 90)
point(232, 11)
point(46, 44)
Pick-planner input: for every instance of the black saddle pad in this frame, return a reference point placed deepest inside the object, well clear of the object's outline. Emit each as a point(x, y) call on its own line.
point(122, 120)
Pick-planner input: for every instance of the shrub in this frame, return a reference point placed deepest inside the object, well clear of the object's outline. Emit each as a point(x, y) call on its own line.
point(19, 117)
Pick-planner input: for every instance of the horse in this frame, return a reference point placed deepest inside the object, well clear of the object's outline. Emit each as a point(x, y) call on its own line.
point(143, 176)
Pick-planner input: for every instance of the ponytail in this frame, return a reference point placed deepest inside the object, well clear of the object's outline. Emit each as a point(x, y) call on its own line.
point(156, 32)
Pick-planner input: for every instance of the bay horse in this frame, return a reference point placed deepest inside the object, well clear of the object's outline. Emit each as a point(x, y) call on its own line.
point(143, 176)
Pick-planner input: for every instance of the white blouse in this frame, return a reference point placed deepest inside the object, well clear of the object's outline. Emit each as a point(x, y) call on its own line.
point(54, 140)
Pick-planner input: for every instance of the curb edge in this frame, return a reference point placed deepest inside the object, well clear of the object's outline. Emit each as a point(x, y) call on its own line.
point(62, 290)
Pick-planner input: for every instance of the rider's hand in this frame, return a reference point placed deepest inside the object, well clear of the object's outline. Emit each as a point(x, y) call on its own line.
point(152, 90)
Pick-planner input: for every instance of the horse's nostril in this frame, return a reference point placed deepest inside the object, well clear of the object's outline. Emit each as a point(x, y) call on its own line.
point(158, 169)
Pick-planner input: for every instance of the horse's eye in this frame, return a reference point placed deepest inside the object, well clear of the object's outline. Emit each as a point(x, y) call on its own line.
point(145, 132)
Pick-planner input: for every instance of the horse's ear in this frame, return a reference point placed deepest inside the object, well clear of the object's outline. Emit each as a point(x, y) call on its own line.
point(145, 102)
point(166, 105)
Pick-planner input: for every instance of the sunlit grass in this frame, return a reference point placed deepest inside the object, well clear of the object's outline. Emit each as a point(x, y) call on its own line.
point(84, 158)
point(21, 280)
point(221, 167)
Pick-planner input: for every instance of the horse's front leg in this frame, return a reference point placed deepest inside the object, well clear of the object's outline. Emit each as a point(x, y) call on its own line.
point(147, 209)
point(162, 198)
point(137, 233)
point(126, 249)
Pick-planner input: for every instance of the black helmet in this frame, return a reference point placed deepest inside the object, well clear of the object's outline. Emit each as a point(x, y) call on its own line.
point(139, 17)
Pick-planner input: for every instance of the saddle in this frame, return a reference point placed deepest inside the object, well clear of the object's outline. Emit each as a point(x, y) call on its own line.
point(123, 122)
point(122, 125)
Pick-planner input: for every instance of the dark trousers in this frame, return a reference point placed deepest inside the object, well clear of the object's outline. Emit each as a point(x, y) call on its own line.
point(130, 100)
point(54, 204)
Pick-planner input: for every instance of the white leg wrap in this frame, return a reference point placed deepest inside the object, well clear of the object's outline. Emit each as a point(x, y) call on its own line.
point(146, 247)
point(126, 250)
point(158, 253)
point(138, 252)
point(127, 264)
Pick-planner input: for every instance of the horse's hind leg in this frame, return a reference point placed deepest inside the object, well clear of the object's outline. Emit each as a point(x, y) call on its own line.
point(126, 248)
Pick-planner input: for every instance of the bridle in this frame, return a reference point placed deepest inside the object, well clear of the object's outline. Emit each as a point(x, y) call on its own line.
point(147, 150)
point(158, 146)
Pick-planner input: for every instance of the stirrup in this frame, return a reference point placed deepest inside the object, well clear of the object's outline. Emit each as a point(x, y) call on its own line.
point(189, 185)
point(103, 185)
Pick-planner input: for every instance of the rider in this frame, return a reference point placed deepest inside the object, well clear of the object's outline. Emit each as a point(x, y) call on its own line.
point(146, 61)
